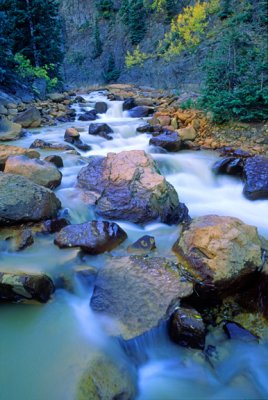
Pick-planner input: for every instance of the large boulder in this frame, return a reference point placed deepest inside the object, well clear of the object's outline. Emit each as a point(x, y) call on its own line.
point(256, 178)
point(7, 151)
point(128, 186)
point(9, 130)
point(220, 252)
point(94, 237)
point(100, 129)
point(168, 140)
point(30, 118)
point(229, 165)
point(88, 116)
point(106, 379)
point(138, 293)
point(22, 200)
point(41, 172)
point(129, 104)
point(25, 286)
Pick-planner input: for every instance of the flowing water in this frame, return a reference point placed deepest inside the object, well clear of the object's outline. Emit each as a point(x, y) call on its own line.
point(44, 349)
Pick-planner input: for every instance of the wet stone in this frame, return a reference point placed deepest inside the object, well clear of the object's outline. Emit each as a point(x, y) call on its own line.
point(145, 244)
point(236, 331)
point(187, 328)
point(93, 237)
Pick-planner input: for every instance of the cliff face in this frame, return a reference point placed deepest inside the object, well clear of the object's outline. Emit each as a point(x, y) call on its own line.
point(85, 64)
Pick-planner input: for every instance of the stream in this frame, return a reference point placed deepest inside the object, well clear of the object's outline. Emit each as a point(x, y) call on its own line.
point(44, 349)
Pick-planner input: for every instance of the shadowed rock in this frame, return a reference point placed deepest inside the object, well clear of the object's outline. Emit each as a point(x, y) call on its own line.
point(93, 237)
point(25, 286)
point(256, 178)
point(30, 118)
point(100, 129)
point(168, 140)
point(138, 293)
point(22, 200)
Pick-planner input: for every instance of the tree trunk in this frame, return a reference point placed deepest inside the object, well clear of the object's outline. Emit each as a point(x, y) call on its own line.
point(35, 52)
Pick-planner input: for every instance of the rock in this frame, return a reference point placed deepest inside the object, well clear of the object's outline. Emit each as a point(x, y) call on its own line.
point(168, 140)
point(88, 116)
point(30, 118)
point(187, 133)
point(15, 239)
point(150, 129)
point(86, 275)
point(143, 245)
point(128, 186)
point(25, 286)
point(129, 104)
point(164, 120)
point(3, 110)
point(56, 97)
point(236, 331)
point(229, 165)
point(41, 172)
point(40, 87)
point(73, 136)
point(256, 178)
point(220, 252)
point(79, 99)
point(140, 112)
point(101, 107)
point(9, 130)
point(100, 129)
point(138, 292)
point(187, 328)
point(93, 237)
point(56, 160)
point(54, 225)
point(106, 379)
point(22, 200)
point(71, 133)
point(42, 144)
point(7, 151)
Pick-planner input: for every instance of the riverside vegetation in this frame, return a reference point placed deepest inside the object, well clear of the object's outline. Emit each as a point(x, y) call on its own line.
point(137, 214)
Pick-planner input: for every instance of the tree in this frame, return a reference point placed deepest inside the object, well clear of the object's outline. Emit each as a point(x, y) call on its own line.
point(136, 21)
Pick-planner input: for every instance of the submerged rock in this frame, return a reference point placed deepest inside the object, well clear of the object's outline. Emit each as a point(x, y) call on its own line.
point(106, 379)
point(145, 244)
point(25, 286)
point(22, 200)
point(41, 172)
point(7, 151)
point(129, 104)
point(42, 144)
point(187, 328)
point(100, 129)
point(128, 186)
point(256, 178)
point(93, 237)
point(220, 252)
point(236, 331)
point(15, 239)
point(138, 293)
point(30, 118)
point(9, 130)
point(168, 140)
point(56, 160)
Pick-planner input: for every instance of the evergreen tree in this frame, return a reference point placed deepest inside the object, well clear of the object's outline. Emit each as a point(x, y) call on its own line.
point(33, 29)
point(136, 21)
point(97, 41)
point(111, 73)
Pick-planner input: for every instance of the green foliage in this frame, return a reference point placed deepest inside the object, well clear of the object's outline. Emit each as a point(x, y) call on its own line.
point(26, 71)
point(32, 29)
point(111, 73)
point(236, 83)
point(105, 8)
point(137, 58)
point(133, 14)
point(188, 104)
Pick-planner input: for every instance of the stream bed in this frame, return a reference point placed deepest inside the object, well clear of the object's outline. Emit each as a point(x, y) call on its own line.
point(45, 348)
